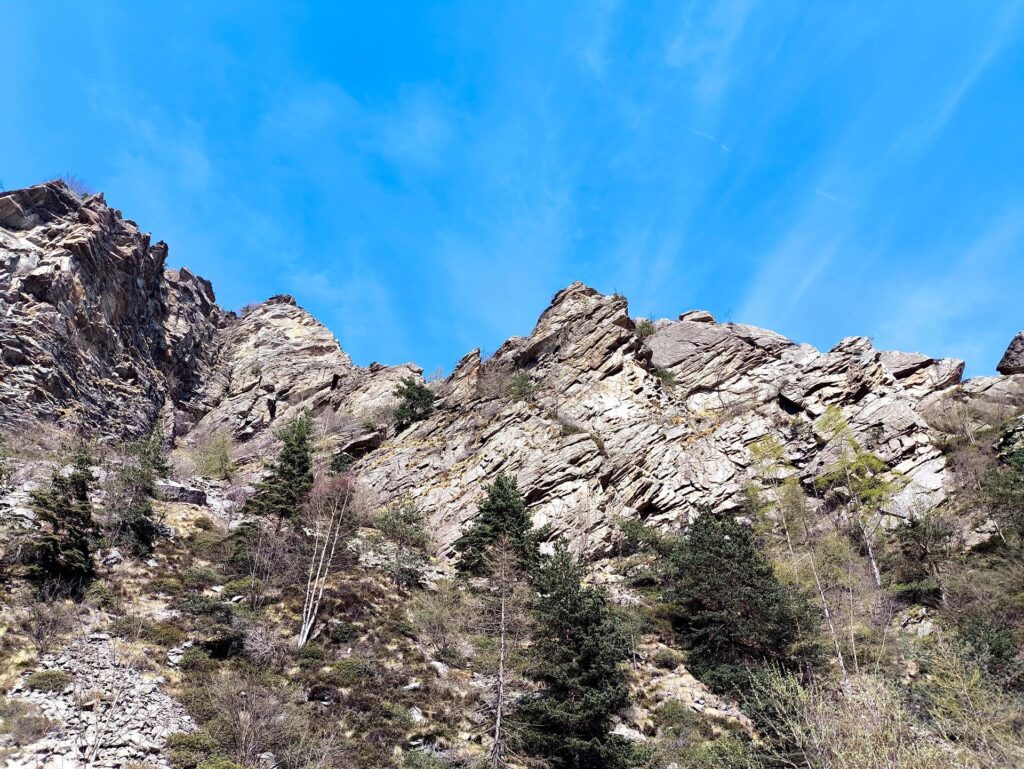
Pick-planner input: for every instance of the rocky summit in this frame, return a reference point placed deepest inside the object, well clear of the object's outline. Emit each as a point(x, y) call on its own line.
point(225, 544)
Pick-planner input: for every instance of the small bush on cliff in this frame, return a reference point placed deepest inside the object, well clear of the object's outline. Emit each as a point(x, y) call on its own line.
point(644, 327)
point(416, 402)
point(521, 387)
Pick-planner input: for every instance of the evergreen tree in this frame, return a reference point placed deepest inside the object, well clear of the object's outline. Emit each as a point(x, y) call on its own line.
point(59, 554)
point(729, 606)
point(130, 491)
point(281, 492)
point(502, 516)
point(151, 455)
point(416, 403)
point(578, 664)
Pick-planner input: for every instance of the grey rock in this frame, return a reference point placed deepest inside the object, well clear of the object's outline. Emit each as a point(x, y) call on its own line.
point(1012, 361)
point(177, 492)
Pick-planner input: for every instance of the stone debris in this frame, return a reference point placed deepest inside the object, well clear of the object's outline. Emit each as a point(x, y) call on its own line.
point(109, 715)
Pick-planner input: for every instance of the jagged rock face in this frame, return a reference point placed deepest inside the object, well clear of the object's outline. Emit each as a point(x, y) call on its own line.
point(1012, 361)
point(276, 362)
point(603, 437)
point(603, 421)
point(88, 326)
point(97, 336)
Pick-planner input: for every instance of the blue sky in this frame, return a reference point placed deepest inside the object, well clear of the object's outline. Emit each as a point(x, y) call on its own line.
point(423, 176)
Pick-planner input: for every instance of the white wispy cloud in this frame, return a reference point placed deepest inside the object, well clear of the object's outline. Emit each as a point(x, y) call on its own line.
point(594, 50)
point(935, 311)
point(1004, 31)
point(705, 44)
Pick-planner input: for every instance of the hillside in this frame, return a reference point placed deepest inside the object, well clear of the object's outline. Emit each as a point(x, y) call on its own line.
point(219, 452)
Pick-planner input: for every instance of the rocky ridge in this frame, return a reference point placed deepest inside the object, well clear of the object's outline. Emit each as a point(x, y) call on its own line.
point(607, 418)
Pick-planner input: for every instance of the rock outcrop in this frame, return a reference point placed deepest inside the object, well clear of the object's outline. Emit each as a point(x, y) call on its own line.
point(91, 332)
point(659, 427)
point(598, 417)
point(1012, 361)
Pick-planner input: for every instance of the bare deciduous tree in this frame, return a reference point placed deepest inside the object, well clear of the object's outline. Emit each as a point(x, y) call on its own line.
point(505, 618)
point(329, 516)
point(48, 620)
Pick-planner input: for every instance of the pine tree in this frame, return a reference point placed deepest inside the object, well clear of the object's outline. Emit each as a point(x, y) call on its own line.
point(281, 492)
point(731, 609)
point(578, 664)
point(60, 553)
point(502, 516)
point(416, 403)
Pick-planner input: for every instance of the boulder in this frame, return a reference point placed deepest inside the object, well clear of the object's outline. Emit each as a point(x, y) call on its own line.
point(1012, 361)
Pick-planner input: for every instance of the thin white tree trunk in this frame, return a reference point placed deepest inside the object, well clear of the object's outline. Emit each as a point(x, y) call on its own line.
point(497, 757)
point(831, 626)
point(325, 546)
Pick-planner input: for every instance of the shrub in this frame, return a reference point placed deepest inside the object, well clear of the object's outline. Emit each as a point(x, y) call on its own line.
point(341, 462)
point(102, 597)
point(404, 525)
point(311, 655)
point(339, 632)
point(22, 721)
point(205, 606)
point(203, 523)
point(667, 659)
point(130, 627)
point(416, 403)
point(163, 634)
point(441, 618)
point(6, 470)
point(644, 328)
point(196, 661)
point(47, 621)
point(80, 187)
point(187, 750)
point(219, 763)
point(242, 586)
point(213, 457)
point(420, 759)
point(350, 671)
point(48, 681)
point(635, 535)
point(521, 387)
point(166, 585)
point(198, 577)
point(665, 376)
point(869, 725)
